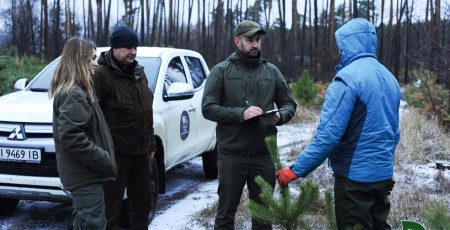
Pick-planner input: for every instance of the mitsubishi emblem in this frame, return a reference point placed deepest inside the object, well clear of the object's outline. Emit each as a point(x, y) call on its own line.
point(18, 133)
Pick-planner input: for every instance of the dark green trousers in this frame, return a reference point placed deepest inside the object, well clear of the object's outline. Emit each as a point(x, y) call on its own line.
point(363, 204)
point(235, 171)
point(88, 208)
point(134, 174)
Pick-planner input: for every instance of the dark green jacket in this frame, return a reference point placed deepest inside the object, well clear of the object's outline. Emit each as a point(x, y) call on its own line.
point(126, 102)
point(84, 147)
point(235, 81)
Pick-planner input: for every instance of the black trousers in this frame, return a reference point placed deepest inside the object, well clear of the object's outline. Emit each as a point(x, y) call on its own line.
point(361, 204)
point(234, 172)
point(134, 174)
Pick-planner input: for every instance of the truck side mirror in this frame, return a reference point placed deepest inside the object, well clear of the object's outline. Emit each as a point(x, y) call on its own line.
point(20, 84)
point(179, 91)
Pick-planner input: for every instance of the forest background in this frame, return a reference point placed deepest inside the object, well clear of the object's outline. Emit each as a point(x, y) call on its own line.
point(410, 38)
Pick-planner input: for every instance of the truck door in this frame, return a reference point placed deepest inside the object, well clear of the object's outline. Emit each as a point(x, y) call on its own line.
point(180, 117)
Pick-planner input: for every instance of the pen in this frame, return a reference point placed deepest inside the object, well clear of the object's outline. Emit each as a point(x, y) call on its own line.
point(248, 103)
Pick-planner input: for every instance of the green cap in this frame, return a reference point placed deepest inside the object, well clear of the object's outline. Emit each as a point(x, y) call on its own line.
point(248, 28)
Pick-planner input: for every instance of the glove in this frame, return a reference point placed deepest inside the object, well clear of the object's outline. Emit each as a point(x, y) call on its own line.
point(285, 175)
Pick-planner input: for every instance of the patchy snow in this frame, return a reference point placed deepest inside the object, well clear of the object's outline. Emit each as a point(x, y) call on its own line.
point(179, 215)
point(188, 192)
point(185, 209)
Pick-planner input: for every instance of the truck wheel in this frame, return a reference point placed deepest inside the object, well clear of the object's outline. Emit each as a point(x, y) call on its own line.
point(8, 205)
point(210, 164)
point(124, 221)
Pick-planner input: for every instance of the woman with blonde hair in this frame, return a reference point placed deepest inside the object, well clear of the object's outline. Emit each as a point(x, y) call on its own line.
point(83, 143)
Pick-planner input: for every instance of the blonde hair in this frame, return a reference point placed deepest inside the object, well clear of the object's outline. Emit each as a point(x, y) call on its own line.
point(72, 69)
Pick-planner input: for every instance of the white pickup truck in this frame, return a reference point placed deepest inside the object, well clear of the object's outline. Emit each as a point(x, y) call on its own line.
point(27, 153)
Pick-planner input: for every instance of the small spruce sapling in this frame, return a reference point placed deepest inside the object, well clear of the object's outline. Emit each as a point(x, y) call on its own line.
point(282, 209)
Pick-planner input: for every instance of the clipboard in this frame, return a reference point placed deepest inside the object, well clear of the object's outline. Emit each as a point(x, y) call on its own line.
point(270, 113)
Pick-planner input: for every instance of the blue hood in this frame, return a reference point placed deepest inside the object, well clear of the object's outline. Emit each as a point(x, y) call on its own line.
point(356, 39)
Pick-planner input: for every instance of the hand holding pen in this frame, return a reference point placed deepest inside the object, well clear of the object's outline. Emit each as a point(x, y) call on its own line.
point(251, 111)
point(254, 111)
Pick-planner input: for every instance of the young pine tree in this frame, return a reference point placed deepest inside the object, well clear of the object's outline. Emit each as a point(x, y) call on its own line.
point(283, 209)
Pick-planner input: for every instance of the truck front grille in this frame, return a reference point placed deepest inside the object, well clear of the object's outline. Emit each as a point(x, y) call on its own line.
point(46, 168)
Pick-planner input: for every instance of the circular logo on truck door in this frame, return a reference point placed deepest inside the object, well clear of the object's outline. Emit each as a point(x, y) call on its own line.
point(184, 125)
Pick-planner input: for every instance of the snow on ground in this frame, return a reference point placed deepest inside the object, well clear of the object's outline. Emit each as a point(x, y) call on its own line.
point(188, 192)
point(182, 214)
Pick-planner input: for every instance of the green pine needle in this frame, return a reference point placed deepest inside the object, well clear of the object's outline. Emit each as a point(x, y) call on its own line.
point(282, 210)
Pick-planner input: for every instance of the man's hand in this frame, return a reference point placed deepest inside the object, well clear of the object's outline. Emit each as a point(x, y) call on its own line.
point(252, 112)
point(273, 120)
point(151, 155)
point(285, 175)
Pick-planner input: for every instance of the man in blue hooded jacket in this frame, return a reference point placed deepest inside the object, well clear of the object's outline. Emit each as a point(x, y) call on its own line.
point(358, 131)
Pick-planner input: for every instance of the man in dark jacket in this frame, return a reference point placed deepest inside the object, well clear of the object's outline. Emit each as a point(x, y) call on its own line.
point(236, 94)
point(123, 93)
point(358, 131)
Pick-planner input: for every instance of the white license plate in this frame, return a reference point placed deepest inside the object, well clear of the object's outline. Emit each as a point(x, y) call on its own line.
point(20, 154)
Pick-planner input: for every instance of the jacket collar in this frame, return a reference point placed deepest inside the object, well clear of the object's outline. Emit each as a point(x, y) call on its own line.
point(238, 57)
point(107, 58)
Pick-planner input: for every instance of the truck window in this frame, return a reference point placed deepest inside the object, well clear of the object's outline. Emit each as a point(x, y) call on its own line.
point(175, 73)
point(197, 72)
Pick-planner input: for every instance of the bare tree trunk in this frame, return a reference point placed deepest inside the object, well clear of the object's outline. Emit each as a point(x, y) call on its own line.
point(397, 40)
point(229, 26)
point(163, 18)
point(407, 35)
point(181, 30)
point(368, 10)
point(170, 32)
point(45, 30)
point(381, 35)
point(331, 45)
point(84, 20)
point(106, 25)
point(282, 14)
point(91, 27)
point(390, 34)
point(68, 21)
point(155, 22)
point(74, 22)
point(188, 32)
point(372, 6)
point(246, 10)
point(437, 44)
point(204, 39)
point(29, 10)
point(303, 43)
point(56, 31)
point(142, 32)
point(311, 54)
point(267, 12)
point(316, 39)
point(99, 37)
point(147, 34)
point(294, 27)
point(218, 31)
point(355, 8)
point(14, 23)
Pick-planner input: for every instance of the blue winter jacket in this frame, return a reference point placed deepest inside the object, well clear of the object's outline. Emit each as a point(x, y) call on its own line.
point(359, 121)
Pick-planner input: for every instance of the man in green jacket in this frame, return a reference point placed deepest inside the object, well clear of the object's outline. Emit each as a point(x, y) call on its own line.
point(122, 90)
point(237, 93)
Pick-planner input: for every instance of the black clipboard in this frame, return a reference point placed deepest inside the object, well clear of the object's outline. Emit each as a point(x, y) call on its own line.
point(270, 113)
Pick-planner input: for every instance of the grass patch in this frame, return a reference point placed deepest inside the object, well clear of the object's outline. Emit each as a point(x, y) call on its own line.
point(418, 184)
point(422, 139)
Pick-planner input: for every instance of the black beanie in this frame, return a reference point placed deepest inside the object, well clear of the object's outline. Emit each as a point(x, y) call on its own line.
point(123, 37)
